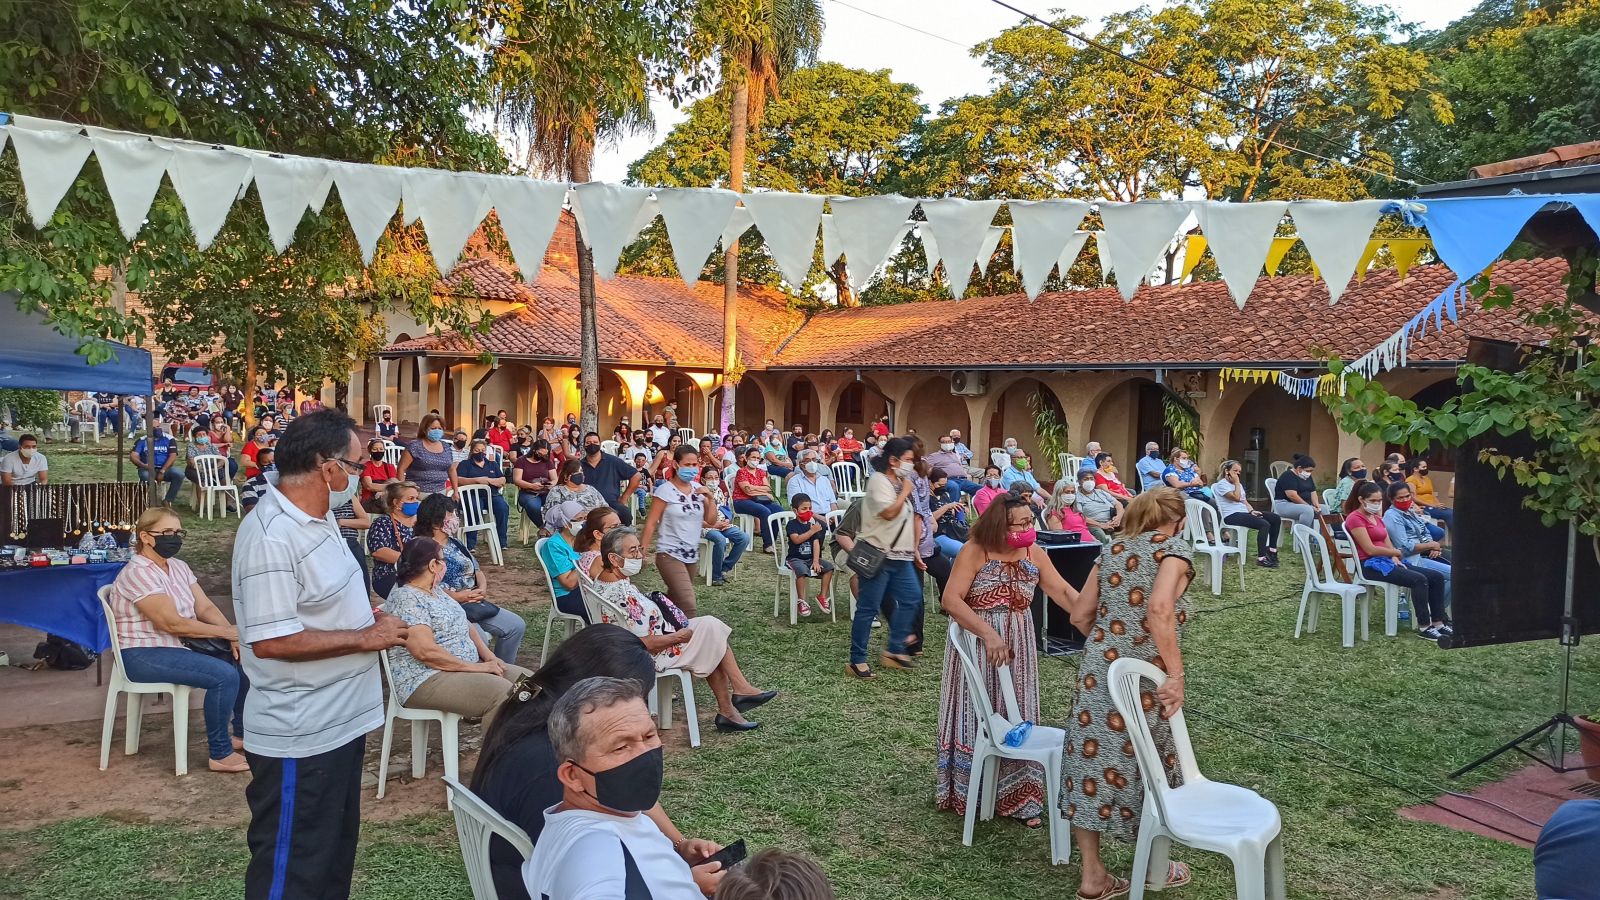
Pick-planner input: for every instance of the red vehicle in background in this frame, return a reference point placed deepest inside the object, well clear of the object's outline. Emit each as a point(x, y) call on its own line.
point(189, 374)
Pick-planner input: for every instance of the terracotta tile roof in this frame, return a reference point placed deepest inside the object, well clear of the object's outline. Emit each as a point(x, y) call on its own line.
point(1195, 325)
point(1566, 156)
point(651, 321)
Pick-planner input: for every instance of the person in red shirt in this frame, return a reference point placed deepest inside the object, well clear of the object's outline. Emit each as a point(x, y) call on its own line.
point(848, 445)
point(258, 440)
point(1105, 476)
point(376, 472)
point(501, 433)
point(752, 495)
point(881, 427)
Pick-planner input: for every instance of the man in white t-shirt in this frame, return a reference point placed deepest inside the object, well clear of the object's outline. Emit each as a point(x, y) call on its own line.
point(597, 843)
point(309, 641)
point(24, 465)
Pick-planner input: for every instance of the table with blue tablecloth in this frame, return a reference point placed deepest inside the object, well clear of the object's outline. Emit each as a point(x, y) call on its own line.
point(59, 600)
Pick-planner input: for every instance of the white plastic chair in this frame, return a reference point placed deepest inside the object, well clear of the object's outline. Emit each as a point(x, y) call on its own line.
point(688, 436)
point(847, 477)
point(449, 734)
point(391, 453)
point(1318, 562)
point(211, 479)
point(88, 412)
point(476, 822)
point(779, 522)
point(1043, 746)
point(705, 559)
point(572, 624)
point(1204, 528)
point(477, 516)
point(1393, 594)
point(608, 447)
point(603, 610)
point(121, 684)
point(378, 409)
point(1276, 468)
point(1204, 814)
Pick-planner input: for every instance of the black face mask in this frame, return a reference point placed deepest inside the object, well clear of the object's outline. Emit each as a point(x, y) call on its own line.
point(1358, 474)
point(167, 545)
point(479, 457)
point(461, 445)
point(591, 449)
point(377, 455)
point(1154, 454)
point(632, 787)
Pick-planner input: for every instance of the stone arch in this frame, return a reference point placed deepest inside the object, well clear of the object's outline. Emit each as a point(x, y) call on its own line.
point(1288, 424)
point(932, 410)
point(750, 404)
point(616, 402)
point(1011, 416)
point(1126, 414)
point(802, 404)
point(860, 403)
point(1429, 394)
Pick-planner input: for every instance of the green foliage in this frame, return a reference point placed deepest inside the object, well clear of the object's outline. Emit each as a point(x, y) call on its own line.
point(1051, 430)
point(36, 410)
point(1183, 419)
point(345, 79)
point(1551, 396)
point(1521, 77)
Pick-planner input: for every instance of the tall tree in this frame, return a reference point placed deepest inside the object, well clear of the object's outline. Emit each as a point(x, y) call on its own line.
point(346, 79)
point(568, 74)
point(757, 43)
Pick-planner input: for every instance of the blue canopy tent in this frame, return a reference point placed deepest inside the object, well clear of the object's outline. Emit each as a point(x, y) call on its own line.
point(35, 356)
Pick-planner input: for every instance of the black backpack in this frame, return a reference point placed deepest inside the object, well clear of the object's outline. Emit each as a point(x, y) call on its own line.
point(59, 653)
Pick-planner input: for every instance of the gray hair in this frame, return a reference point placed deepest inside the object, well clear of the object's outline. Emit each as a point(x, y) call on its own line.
point(1091, 448)
point(612, 543)
point(565, 725)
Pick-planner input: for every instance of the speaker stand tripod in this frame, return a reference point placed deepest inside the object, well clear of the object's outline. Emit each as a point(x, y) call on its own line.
point(1549, 738)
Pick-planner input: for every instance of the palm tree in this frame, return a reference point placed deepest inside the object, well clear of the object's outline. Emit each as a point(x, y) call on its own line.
point(565, 76)
point(759, 43)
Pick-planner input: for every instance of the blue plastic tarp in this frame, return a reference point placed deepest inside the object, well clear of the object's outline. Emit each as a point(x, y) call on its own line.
point(33, 355)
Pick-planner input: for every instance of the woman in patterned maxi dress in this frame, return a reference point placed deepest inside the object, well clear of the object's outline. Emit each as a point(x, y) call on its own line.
point(989, 594)
point(1133, 606)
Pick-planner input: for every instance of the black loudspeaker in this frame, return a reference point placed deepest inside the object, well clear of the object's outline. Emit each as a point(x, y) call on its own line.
point(1508, 569)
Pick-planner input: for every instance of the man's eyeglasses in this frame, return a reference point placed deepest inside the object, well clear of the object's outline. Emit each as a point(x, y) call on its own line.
point(356, 467)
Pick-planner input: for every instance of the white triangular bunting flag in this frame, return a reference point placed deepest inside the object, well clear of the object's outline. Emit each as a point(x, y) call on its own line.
point(319, 197)
point(648, 210)
point(608, 216)
point(34, 123)
point(208, 181)
point(1136, 234)
point(132, 170)
point(1240, 234)
point(369, 195)
point(286, 185)
point(1102, 252)
point(961, 229)
point(991, 241)
point(1336, 234)
point(930, 247)
point(831, 251)
point(1069, 253)
point(49, 161)
point(1041, 231)
point(451, 206)
point(695, 219)
point(867, 228)
point(529, 211)
point(738, 223)
point(788, 223)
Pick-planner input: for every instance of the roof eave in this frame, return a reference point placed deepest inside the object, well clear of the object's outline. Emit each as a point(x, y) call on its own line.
point(1570, 180)
point(1210, 365)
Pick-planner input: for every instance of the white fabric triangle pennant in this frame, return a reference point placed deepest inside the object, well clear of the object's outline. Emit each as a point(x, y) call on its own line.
point(1336, 234)
point(962, 230)
point(930, 247)
point(788, 223)
point(319, 196)
point(695, 219)
point(991, 241)
point(1041, 231)
point(34, 123)
point(451, 206)
point(529, 211)
point(369, 195)
point(831, 251)
point(648, 210)
point(738, 223)
point(286, 185)
point(867, 227)
point(1069, 253)
point(1135, 234)
point(132, 170)
point(608, 217)
point(1240, 235)
point(49, 161)
point(1102, 252)
point(208, 181)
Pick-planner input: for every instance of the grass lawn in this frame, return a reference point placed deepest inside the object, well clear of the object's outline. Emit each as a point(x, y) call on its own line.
point(843, 770)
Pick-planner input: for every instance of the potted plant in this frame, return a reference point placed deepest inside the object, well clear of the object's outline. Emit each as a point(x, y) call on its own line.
point(1589, 744)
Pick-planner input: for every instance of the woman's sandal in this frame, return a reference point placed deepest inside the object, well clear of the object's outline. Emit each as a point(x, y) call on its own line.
point(898, 661)
point(1034, 822)
point(860, 670)
point(913, 649)
point(1116, 888)
point(1178, 874)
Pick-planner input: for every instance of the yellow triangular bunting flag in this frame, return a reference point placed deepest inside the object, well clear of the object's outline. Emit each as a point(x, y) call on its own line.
point(1194, 247)
point(1280, 249)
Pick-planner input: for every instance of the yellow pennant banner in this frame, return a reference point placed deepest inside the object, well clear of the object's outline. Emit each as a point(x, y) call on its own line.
point(1404, 251)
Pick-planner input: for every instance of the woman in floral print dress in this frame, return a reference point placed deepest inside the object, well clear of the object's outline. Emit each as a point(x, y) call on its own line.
point(1134, 606)
point(990, 594)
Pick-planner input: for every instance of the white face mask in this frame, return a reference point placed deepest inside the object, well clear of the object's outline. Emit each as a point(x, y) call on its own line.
point(575, 526)
point(1086, 486)
point(908, 470)
point(1070, 499)
point(813, 467)
point(26, 452)
point(1373, 507)
point(947, 446)
point(631, 567)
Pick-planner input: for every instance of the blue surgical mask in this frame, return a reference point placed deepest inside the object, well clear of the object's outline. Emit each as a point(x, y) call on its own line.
point(687, 473)
point(410, 508)
point(435, 434)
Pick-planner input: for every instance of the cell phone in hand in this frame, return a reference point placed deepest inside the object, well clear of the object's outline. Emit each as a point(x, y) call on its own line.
point(729, 856)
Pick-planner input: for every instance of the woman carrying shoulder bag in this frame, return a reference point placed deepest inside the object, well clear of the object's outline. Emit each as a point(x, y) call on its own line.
point(884, 557)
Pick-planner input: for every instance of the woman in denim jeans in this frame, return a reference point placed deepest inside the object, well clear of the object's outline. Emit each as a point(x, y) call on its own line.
point(728, 541)
point(888, 523)
point(169, 630)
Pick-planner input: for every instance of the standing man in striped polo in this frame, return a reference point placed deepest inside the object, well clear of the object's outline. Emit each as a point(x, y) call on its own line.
point(310, 639)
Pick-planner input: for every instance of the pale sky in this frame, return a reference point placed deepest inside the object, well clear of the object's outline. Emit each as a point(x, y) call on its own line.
point(935, 57)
